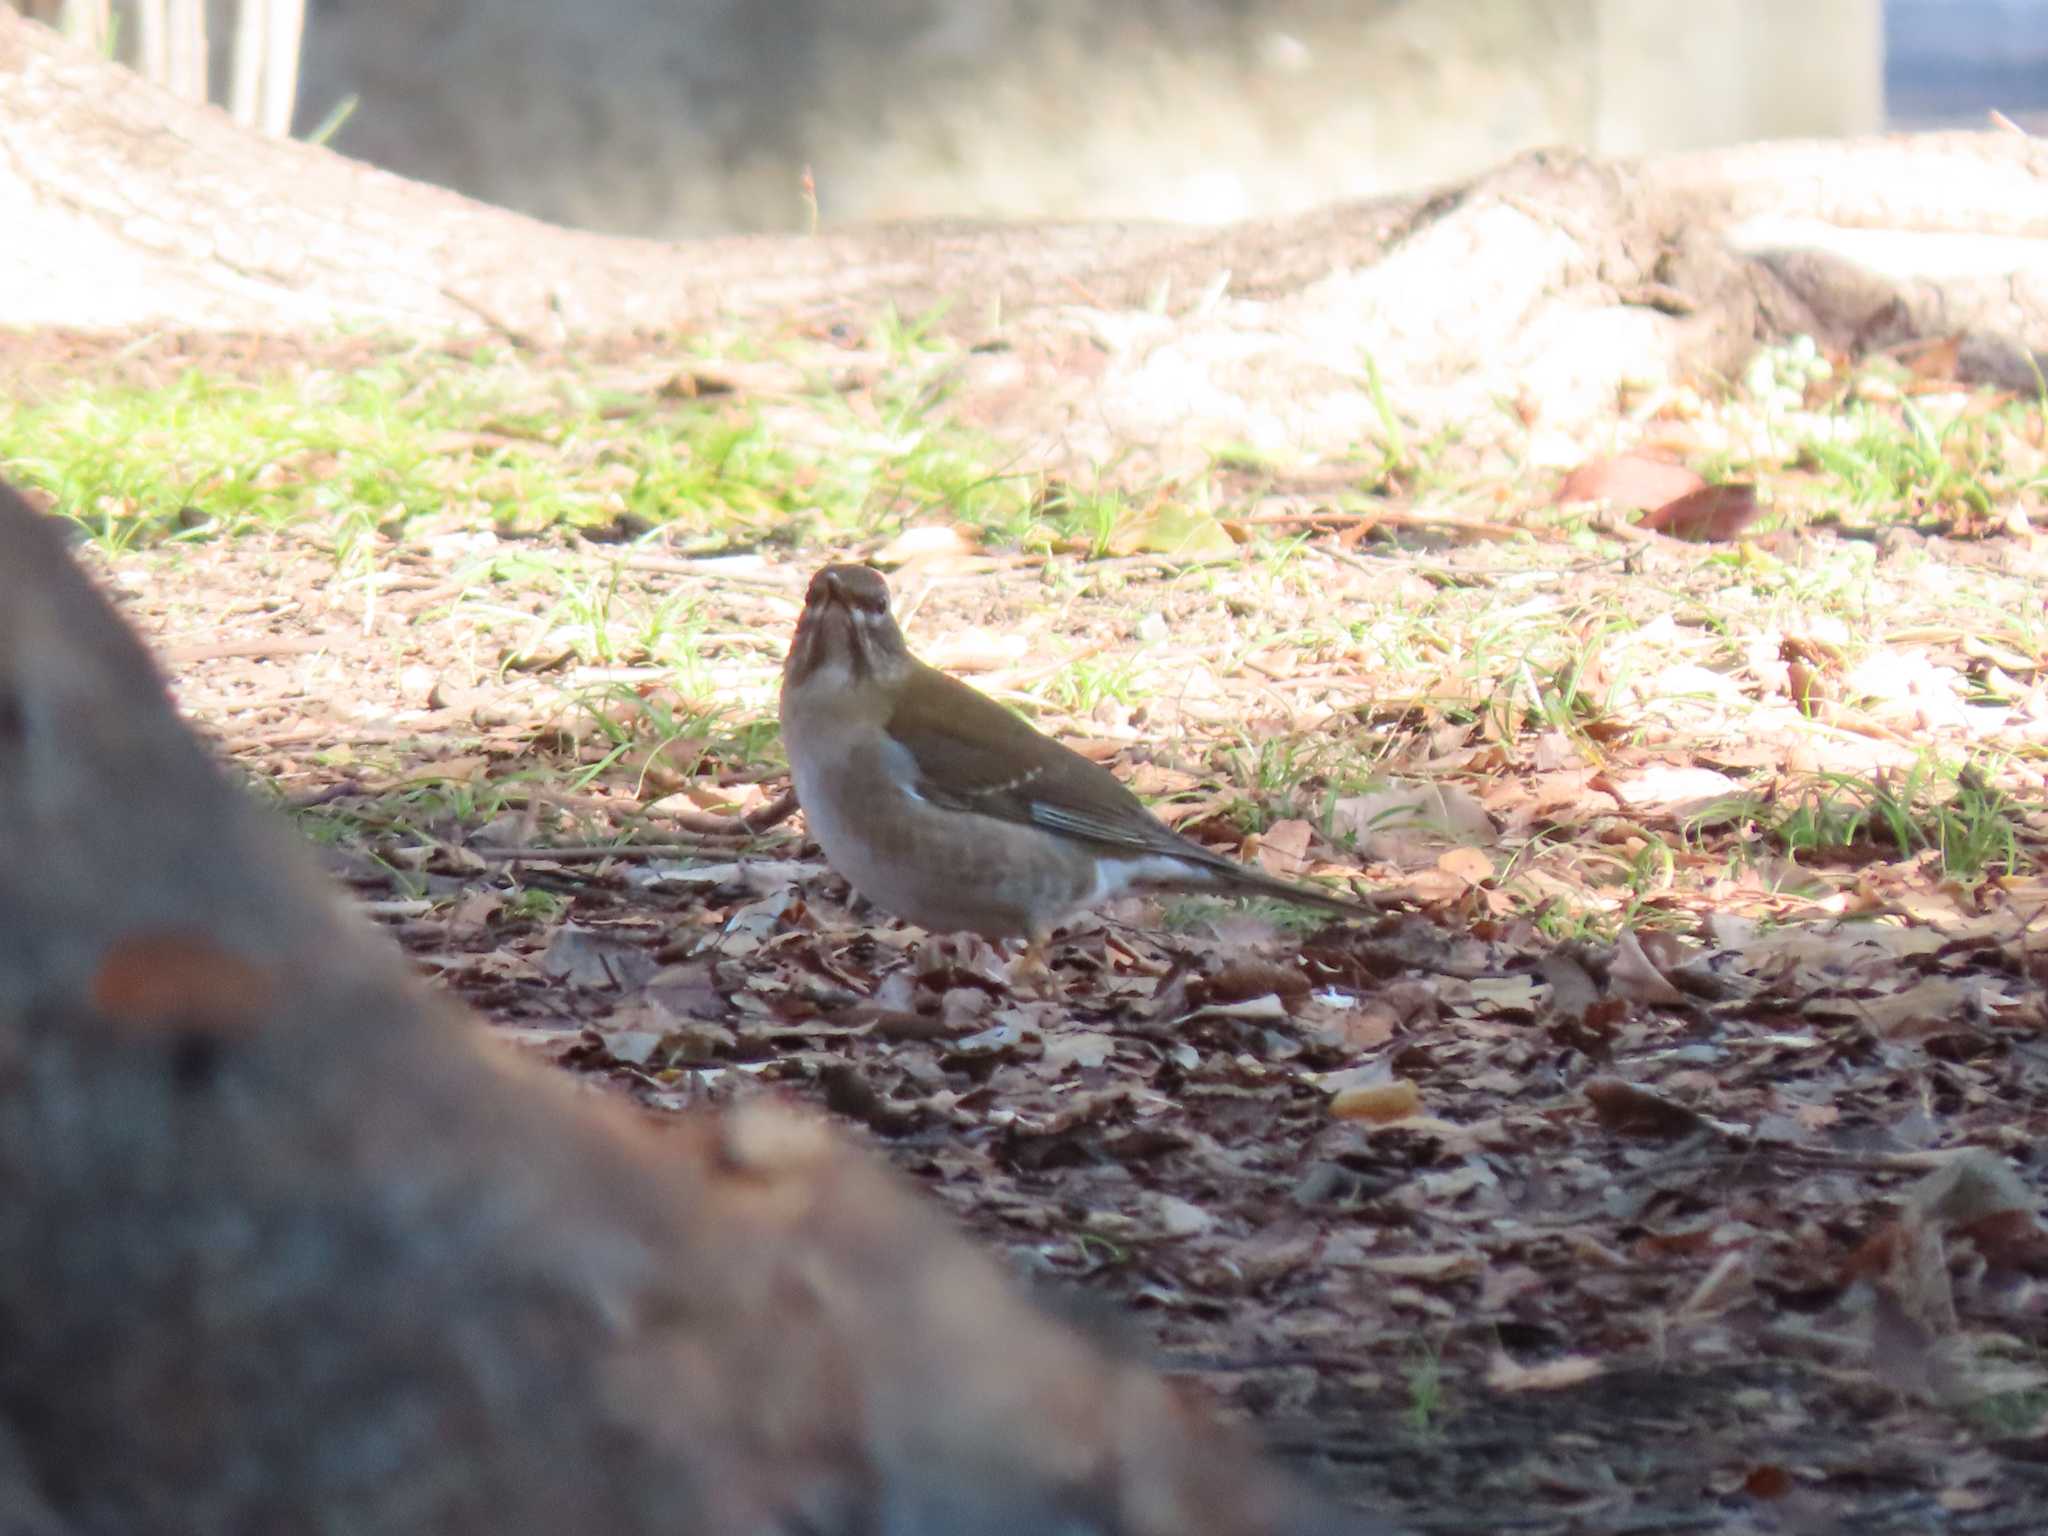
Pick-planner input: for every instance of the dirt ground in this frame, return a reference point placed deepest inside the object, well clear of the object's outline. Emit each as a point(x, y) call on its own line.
point(1712, 1211)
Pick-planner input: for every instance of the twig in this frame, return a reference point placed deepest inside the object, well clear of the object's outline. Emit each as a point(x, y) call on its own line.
point(750, 824)
point(1389, 516)
point(231, 650)
point(760, 819)
point(726, 828)
point(671, 565)
point(319, 797)
point(595, 853)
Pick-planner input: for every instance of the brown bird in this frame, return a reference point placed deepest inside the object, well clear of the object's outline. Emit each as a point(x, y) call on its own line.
point(941, 806)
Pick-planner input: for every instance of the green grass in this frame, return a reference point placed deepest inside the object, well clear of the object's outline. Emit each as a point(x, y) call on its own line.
point(411, 444)
point(1897, 463)
point(1955, 815)
point(649, 744)
point(583, 614)
point(1618, 887)
point(1425, 1376)
point(1200, 914)
point(1104, 522)
point(1406, 466)
point(2007, 1415)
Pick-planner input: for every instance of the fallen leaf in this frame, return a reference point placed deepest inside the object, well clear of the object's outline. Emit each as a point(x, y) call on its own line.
point(1085, 1048)
point(1808, 688)
point(1629, 480)
point(1572, 992)
point(633, 1047)
point(1505, 1375)
point(1668, 787)
point(1633, 975)
point(1472, 865)
point(1723, 1286)
point(1265, 1008)
point(1503, 994)
point(1408, 823)
point(585, 957)
point(928, 541)
point(1710, 515)
point(1425, 1266)
point(1247, 976)
point(1628, 1110)
point(1183, 1218)
point(1377, 1102)
point(1936, 1006)
point(976, 649)
point(1282, 849)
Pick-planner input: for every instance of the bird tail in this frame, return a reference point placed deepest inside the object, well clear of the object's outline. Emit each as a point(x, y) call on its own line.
point(1245, 878)
point(1219, 873)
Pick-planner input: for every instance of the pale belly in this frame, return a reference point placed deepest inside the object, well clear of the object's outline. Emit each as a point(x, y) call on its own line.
point(928, 868)
point(947, 870)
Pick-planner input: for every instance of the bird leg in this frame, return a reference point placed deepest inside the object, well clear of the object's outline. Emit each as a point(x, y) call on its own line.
point(1031, 971)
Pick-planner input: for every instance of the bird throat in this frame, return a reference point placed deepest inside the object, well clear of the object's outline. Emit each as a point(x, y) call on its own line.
point(834, 637)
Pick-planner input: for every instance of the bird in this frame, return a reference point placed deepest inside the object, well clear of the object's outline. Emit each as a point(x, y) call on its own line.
point(944, 808)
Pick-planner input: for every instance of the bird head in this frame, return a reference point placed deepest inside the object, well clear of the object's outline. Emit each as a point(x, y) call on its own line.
point(847, 637)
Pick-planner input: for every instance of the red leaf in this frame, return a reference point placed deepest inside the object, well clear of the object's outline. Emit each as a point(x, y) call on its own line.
point(1767, 1482)
point(1629, 480)
point(1709, 515)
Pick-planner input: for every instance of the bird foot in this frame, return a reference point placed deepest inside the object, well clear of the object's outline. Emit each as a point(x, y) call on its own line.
point(1031, 972)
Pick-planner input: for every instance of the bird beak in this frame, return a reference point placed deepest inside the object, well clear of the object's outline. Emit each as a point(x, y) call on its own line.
point(826, 635)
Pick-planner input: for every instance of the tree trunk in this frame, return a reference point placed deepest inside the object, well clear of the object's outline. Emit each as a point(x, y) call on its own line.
point(1553, 280)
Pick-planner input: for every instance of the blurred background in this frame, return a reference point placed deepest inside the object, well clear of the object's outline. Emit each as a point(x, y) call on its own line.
point(1947, 61)
point(681, 117)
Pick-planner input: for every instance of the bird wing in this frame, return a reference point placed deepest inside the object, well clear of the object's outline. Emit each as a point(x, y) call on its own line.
point(969, 753)
point(972, 754)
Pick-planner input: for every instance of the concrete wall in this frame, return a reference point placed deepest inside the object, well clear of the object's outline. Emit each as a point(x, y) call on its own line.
point(685, 116)
point(1678, 76)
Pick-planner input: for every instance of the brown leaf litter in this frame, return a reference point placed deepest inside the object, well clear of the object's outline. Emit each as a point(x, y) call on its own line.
point(1479, 1213)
